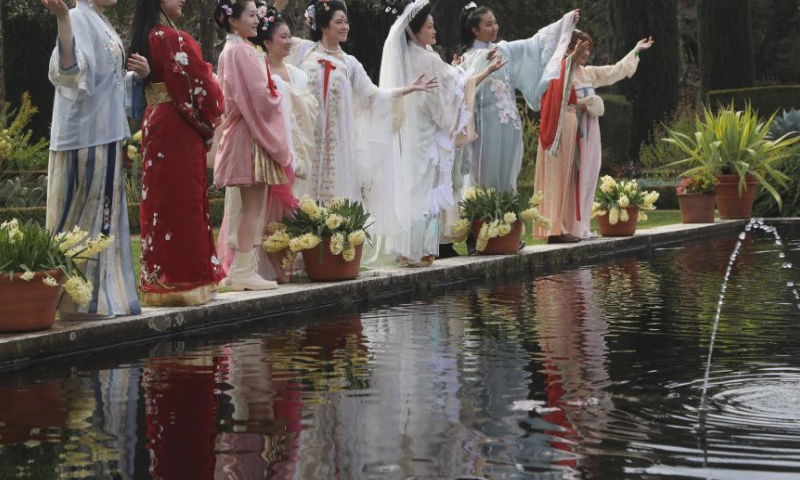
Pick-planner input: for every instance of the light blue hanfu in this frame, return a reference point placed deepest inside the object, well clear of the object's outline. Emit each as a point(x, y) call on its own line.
point(494, 160)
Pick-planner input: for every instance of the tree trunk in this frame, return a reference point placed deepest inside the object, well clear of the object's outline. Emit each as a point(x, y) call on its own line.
point(726, 44)
point(653, 90)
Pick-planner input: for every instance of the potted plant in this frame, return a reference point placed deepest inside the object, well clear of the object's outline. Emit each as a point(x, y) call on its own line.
point(696, 198)
point(620, 205)
point(132, 151)
point(330, 237)
point(34, 264)
point(736, 148)
point(496, 219)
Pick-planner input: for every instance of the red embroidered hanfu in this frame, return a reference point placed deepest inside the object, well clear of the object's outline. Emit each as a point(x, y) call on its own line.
point(185, 104)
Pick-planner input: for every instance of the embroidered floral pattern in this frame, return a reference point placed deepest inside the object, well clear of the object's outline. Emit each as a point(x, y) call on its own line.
point(504, 101)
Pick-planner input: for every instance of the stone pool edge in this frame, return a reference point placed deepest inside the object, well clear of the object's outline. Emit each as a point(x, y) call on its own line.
point(71, 337)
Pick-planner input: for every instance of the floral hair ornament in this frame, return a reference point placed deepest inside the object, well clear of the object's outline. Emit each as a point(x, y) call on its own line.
point(223, 4)
point(311, 13)
point(470, 6)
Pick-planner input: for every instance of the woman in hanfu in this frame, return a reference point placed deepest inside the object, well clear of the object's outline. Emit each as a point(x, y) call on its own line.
point(184, 105)
point(254, 149)
point(496, 156)
point(586, 79)
point(354, 124)
point(85, 186)
point(273, 44)
point(426, 141)
point(558, 154)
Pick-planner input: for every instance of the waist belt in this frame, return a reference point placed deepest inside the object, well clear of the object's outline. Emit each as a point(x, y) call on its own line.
point(157, 93)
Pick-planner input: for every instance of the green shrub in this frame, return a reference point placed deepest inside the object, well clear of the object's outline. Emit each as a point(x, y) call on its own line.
point(17, 151)
point(37, 214)
point(765, 100)
point(24, 190)
point(530, 146)
point(656, 153)
point(615, 129)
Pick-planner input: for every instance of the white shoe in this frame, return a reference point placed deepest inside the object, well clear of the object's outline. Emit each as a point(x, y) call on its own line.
point(243, 274)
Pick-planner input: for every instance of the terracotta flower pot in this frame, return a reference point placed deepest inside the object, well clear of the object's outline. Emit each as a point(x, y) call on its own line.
point(28, 306)
point(729, 203)
point(508, 245)
point(327, 267)
point(621, 229)
point(696, 207)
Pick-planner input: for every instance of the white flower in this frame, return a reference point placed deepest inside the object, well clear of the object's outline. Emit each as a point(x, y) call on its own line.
point(182, 58)
point(510, 218)
point(334, 221)
point(623, 201)
point(349, 253)
point(357, 238)
point(50, 281)
point(28, 276)
point(623, 215)
point(79, 289)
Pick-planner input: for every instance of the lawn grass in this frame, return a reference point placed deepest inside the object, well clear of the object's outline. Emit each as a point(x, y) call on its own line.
point(658, 218)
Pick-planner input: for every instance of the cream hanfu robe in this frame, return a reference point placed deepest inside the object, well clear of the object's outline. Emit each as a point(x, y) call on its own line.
point(585, 80)
point(495, 158)
point(85, 178)
point(353, 134)
point(426, 144)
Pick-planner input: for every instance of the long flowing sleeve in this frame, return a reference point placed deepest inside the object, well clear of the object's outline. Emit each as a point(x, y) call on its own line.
point(611, 74)
point(77, 78)
point(378, 167)
point(189, 79)
point(247, 88)
point(535, 61)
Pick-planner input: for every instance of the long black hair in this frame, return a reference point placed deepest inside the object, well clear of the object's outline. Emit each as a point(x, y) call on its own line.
point(323, 13)
point(267, 25)
point(471, 17)
point(227, 9)
point(145, 17)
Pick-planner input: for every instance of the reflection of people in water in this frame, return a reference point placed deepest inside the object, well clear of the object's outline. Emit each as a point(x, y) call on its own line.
point(181, 411)
point(574, 357)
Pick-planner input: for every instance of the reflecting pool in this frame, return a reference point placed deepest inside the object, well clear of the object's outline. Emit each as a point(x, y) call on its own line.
point(592, 373)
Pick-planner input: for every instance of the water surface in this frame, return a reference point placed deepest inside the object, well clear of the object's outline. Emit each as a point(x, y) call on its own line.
point(592, 373)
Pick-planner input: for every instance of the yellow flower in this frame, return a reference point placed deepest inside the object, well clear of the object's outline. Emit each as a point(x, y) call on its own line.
point(642, 216)
point(607, 184)
point(473, 192)
point(536, 199)
point(288, 261)
point(337, 243)
point(623, 201)
point(93, 247)
point(510, 218)
point(349, 253)
point(310, 208)
point(275, 227)
point(79, 289)
point(28, 276)
point(504, 230)
point(338, 202)
point(334, 221)
point(357, 238)
point(490, 191)
point(493, 231)
point(133, 153)
point(50, 281)
point(613, 216)
point(623, 215)
point(277, 242)
point(137, 137)
point(461, 230)
point(304, 242)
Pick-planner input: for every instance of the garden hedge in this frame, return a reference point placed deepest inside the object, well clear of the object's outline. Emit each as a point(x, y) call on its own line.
point(615, 129)
point(767, 100)
point(37, 214)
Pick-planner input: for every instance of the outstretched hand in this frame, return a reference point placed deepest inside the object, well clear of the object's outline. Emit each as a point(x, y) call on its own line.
point(422, 85)
point(581, 48)
point(498, 63)
point(57, 7)
point(457, 60)
point(644, 44)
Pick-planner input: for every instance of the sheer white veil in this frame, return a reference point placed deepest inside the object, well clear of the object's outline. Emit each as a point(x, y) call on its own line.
point(396, 72)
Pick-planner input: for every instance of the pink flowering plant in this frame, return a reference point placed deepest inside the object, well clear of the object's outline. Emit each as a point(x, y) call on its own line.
point(701, 182)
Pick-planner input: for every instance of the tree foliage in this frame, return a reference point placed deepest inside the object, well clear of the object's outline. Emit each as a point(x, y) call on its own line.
point(726, 44)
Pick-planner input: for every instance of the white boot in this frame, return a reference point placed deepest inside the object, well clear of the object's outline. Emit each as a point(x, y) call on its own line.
point(243, 274)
